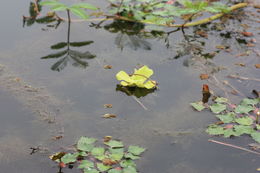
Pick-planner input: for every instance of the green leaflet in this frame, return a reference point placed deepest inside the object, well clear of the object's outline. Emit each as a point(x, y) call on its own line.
point(140, 78)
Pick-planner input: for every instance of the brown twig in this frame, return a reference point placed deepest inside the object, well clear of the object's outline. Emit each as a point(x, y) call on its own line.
point(234, 146)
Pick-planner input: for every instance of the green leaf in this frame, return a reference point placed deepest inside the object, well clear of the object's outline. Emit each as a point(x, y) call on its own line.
point(129, 169)
point(55, 55)
point(242, 129)
point(59, 45)
point(135, 150)
point(244, 121)
point(243, 109)
point(131, 156)
point(86, 164)
point(256, 136)
point(50, 3)
point(127, 163)
point(221, 100)
point(227, 118)
point(91, 171)
point(82, 43)
point(84, 5)
point(82, 153)
point(98, 151)
point(229, 132)
point(114, 144)
point(217, 108)
point(60, 7)
point(257, 126)
point(116, 153)
point(102, 167)
point(198, 105)
point(114, 171)
point(247, 101)
point(215, 130)
point(85, 144)
point(79, 12)
point(69, 158)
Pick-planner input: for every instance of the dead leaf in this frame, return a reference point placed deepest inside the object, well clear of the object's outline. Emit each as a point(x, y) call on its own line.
point(250, 45)
point(229, 126)
point(247, 34)
point(257, 65)
point(222, 47)
point(202, 33)
point(57, 156)
point(107, 138)
point(240, 64)
point(107, 66)
point(204, 76)
point(205, 93)
point(57, 137)
point(108, 105)
point(109, 162)
point(253, 40)
point(109, 116)
point(62, 165)
point(247, 53)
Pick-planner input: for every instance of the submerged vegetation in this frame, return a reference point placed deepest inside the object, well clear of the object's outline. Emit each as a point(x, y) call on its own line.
point(112, 157)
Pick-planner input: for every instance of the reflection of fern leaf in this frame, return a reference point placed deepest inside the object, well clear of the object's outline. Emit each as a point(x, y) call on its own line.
point(79, 44)
point(61, 64)
point(55, 55)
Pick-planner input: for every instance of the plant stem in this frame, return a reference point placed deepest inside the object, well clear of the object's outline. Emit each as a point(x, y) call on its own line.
point(68, 34)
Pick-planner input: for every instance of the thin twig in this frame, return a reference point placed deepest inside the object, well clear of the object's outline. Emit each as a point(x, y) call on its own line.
point(233, 88)
point(140, 103)
point(234, 146)
point(243, 78)
point(218, 84)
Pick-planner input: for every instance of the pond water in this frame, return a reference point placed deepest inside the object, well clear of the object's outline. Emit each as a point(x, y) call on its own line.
point(41, 99)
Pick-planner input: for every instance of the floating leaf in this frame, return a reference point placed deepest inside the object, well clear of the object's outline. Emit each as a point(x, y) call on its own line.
point(215, 130)
point(217, 108)
point(140, 78)
point(243, 109)
point(229, 132)
point(198, 106)
point(127, 163)
point(86, 164)
point(98, 151)
point(91, 171)
point(135, 150)
point(227, 118)
point(129, 169)
point(114, 171)
point(116, 153)
point(243, 129)
point(114, 144)
point(131, 156)
point(247, 101)
point(102, 167)
point(256, 136)
point(85, 144)
point(244, 121)
point(221, 100)
point(69, 158)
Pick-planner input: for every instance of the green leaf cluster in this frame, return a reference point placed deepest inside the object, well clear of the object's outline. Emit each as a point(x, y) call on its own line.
point(237, 121)
point(140, 78)
point(113, 157)
point(77, 9)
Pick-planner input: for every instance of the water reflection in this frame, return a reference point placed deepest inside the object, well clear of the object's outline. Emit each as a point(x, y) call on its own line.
point(134, 91)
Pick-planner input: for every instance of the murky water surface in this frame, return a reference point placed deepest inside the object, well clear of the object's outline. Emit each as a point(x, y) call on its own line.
point(42, 98)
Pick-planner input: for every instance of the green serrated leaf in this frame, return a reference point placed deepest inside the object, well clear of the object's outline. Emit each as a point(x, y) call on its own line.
point(227, 118)
point(243, 109)
point(256, 136)
point(215, 130)
point(84, 164)
point(114, 144)
point(98, 151)
point(217, 108)
point(69, 158)
point(114, 171)
point(247, 101)
point(131, 156)
point(79, 12)
point(198, 105)
point(244, 121)
point(60, 7)
point(85, 144)
point(50, 3)
point(129, 169)
point(135, 150)
point(229, 132)
point(102, 167)
point(91, 171)
point(221, 100)
point(242, 129)
point(127, 163)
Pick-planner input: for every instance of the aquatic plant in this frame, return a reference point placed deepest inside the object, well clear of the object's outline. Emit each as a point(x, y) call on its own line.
point(234, 120)
point(140, 78)
point(112, 157)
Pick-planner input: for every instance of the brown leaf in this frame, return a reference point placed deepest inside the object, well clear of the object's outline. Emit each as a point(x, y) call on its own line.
point(250, 45)
point(257, 65)
point(107, 66)
point(109, 116)
point(108, 105)
point(109, 162)
point(202, 33)
point(240, 64)
point(204, 76)
point(107, 138)
point(222, 47)
point(57, 137)
point(57, 156)
point(247, 34)
point(205, 93)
